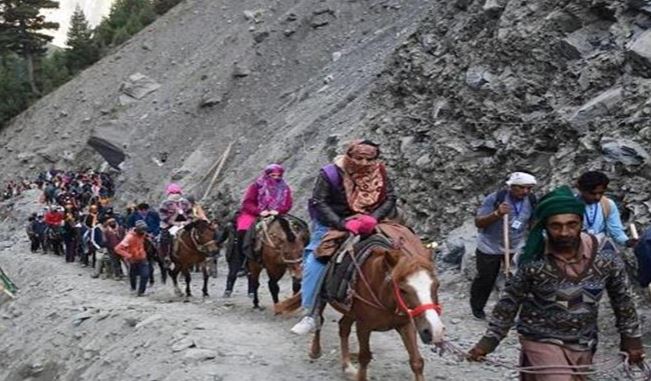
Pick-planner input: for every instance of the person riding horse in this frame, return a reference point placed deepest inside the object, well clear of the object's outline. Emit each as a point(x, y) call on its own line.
point(352, 194)
point(175, 212)
point(268, 195)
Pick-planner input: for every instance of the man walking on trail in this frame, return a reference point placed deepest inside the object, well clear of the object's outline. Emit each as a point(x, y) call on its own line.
point(518, 203)
point(132, 249)
point(555, 294)
point(601, 217)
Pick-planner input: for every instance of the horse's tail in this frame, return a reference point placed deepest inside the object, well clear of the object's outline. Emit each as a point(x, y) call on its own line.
point(289, 233)
point(288, 305)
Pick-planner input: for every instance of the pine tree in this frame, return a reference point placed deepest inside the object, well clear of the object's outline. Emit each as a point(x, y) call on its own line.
point(21, 29)
point(54, 71)
point(14, 87)
point(127, 17)
point(162, 6)
point(82, 51)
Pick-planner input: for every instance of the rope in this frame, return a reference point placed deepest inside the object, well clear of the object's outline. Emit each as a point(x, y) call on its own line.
point(605, 366)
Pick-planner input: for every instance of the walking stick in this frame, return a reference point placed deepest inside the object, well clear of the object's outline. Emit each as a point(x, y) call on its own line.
point(507, 246)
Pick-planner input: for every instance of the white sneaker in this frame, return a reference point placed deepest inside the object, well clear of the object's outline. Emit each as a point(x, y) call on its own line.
point(305, 326)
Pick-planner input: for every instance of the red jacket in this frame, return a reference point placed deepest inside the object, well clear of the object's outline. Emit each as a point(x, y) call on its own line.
point(132, 247)
point(53, 218)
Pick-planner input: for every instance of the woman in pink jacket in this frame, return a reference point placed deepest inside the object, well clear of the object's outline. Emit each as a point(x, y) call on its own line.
point(268, 195)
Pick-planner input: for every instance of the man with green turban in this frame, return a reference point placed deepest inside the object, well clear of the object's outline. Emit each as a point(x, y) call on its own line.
point(555, 294)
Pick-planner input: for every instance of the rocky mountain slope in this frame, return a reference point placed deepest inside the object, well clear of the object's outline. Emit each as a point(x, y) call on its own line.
point(459, 93)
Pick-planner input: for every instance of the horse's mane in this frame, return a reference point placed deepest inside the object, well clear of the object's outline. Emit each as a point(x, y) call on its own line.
point(284, 224)
point(199, 224)
point(408, 264)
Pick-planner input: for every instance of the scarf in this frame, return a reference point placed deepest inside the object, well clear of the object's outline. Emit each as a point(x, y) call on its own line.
point(559, 201)
point(272, 193)
point(364, 181)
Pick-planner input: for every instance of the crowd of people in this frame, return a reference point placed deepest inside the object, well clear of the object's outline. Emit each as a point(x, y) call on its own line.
point(566, 246)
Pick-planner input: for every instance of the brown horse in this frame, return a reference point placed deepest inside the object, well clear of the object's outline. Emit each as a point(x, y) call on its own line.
point(394, 290)
point(195, 242)
point(282, 248)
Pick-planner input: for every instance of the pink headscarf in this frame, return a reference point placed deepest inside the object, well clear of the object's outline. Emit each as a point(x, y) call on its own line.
point(272, 193)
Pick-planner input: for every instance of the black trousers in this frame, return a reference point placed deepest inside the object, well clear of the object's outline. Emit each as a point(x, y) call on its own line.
point(488, 268)
point(236, 259)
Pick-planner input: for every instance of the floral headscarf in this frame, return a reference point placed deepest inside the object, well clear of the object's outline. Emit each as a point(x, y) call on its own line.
point(364, 180)
point(272, 193)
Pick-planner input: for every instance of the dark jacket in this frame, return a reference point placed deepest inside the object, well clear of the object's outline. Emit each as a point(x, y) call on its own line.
point(329, 202)
point(152, 219)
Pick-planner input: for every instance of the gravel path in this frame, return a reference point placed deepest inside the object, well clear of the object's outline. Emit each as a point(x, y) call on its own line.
point(67, 326)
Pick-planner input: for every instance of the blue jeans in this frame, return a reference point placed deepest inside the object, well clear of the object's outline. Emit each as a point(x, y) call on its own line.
point(313, 270)
point(139, 269)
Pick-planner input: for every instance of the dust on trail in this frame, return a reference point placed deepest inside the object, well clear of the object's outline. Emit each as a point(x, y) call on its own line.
point(65, 325)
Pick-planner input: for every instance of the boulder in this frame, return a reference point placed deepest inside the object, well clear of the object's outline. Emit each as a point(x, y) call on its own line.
point(196, 354)
point(623, 151)
point(138, 86)
point(639, 54)
point(477, 76)
point(602, 105)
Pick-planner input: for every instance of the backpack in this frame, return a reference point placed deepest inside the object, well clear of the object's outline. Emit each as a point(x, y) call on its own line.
point(334, 179)
point(501, 196)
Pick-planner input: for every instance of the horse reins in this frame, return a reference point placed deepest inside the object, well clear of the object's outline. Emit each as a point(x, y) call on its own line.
point(564, 369)
point(267, 240)
point(202, 248)
point(402, 306)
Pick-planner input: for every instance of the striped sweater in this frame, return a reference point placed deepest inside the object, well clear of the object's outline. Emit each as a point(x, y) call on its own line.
point(555, 308)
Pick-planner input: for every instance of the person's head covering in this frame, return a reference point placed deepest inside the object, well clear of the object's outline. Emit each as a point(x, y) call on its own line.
point(141, 226)
point(364, 181)
point(274, 168)
point(191, 199)
point(273, 194)
point(173, 188)
point(521, 178)
point(559, 201)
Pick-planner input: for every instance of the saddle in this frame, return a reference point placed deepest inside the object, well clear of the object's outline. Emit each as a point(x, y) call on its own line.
point(341, 275)
point(255, 236)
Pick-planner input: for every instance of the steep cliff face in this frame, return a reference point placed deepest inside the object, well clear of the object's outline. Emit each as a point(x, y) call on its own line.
point(276, 78)
point(485, 88)
point(459, 93)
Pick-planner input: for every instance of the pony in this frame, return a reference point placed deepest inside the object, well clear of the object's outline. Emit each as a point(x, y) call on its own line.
point(281, 249)
point(394, 290)
point(194, 244)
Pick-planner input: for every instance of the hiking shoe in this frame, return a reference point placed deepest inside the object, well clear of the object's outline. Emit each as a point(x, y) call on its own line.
point(479, 314)
point(305, 326)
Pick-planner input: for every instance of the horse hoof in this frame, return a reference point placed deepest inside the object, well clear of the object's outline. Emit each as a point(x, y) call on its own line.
point(350, 371)
point(258, 308)
point(315, 355)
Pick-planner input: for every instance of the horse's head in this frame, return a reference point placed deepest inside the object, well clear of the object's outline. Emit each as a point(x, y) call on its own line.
point(415, 288)
point(203, 236)
point(280, 237)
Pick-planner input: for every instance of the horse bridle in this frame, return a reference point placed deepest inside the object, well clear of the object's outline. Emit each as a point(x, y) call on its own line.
point(419, 310)
point(402, 306)
point(201, 247)
point(270, 243)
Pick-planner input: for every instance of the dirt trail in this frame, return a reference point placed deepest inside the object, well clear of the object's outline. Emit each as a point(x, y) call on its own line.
point(67, 326)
